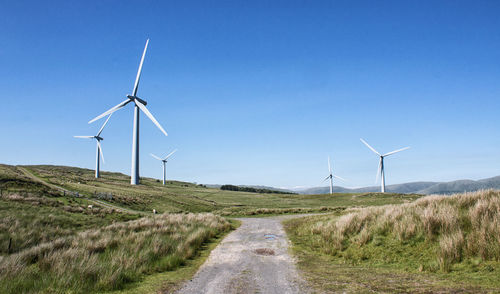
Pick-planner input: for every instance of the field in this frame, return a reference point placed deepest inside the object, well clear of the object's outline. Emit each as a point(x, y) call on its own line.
point(435, 244)
point(52, 243)
point(189, 197)
point(62, 222)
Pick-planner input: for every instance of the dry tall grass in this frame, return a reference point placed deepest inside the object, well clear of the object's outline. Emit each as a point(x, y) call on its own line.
point(107, 258)
point(464, 225)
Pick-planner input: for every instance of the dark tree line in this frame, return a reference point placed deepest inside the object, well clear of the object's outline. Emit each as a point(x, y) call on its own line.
point(251, 189)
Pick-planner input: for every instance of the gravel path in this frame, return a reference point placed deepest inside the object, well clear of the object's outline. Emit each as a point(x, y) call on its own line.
point(252, 259)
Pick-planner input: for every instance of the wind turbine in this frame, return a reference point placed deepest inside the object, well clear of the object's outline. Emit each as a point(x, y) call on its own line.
point(139, 105)
point(380, 170)
point(164, 161)
point(98, 139)
point(331, 176)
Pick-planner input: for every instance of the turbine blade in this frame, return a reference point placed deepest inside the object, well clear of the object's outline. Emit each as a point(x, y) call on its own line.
point(111, 110)
point(371, 148)
point(102, 128)
point(340, 178)
point(155, 156)
point(379, 170)
point(151, 117)
point(84, 137)
point(138, 77)
point(395, 151)
point(329, 167)
point(100, 151)
point(170, 154)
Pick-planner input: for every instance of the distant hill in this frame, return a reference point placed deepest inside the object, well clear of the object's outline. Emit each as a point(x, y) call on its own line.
point(417, 187)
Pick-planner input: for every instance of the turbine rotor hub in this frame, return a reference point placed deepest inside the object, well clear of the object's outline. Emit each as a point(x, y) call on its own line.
point(132, 98)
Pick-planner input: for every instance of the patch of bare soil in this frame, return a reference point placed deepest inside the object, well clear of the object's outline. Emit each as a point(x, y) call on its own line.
point(264, 251)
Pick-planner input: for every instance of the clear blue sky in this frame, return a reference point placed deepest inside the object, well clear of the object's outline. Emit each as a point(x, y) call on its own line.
point(257, 92)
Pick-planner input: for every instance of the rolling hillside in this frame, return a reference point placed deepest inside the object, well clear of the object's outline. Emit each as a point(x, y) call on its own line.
point(175, 196)
point(427, 188)
point(440, 244)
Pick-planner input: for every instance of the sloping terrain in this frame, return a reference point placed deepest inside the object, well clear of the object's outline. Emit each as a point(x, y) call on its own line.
point(60, 221)
point(188, 197)
point(56, 240)
point(434, 244)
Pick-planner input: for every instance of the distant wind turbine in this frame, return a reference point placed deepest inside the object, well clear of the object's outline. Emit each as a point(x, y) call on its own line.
point(139, 105)
point(331, 176)
point(164, 161)
point(380, 170)
point(99, 148)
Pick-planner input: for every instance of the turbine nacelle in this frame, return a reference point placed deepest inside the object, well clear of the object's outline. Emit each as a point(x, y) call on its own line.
point(133, 98)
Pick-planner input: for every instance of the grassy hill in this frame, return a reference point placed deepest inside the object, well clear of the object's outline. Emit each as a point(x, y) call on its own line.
point(434, 244)
point(188, 197)
point(62, 230)
point(54, 242)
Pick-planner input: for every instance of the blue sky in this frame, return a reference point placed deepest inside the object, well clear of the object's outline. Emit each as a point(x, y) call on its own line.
point(257, 92)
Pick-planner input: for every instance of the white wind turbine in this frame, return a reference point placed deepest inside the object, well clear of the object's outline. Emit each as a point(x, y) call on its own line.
point(380, 170)
point(139, 105)
point(164, 161)
point(99, 148)
point(331, 176)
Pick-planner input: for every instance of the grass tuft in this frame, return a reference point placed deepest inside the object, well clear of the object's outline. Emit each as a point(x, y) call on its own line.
point(458, 235)
point(108, 258)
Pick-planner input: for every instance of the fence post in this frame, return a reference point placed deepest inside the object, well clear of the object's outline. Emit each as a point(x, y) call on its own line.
point(10, 245)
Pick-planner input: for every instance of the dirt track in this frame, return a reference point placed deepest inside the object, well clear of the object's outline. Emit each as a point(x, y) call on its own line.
point(252, 259)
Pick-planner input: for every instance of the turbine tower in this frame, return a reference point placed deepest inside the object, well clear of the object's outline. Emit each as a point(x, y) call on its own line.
point(331, 176)
point(164, 161)
point(380, 170)
point(99, 148)
point(139, 105)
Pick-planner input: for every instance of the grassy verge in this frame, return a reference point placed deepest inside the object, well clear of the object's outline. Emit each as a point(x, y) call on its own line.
point(51, 243)
point(29, 221)
point(108, 258)
point(170, 281)
point(437, 243)
point(32, 213)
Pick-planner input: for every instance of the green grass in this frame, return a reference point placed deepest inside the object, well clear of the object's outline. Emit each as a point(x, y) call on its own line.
point(28, 223)
point(49, 232)
point(60, 245)
point(110, 257)
point(169, 281)
point(188, 197)
point(437, 243)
